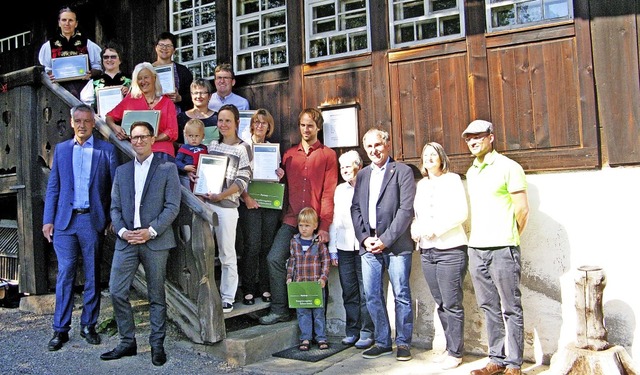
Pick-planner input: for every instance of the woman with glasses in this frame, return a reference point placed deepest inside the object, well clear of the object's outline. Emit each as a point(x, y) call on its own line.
point(258, 225)
point(111, 76)
point(146, 94)
point(200, 93)
point(440, 210)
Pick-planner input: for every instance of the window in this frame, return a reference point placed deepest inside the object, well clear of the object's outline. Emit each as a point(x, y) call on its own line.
point(193, 22)
point(508, 14)
point(260, 35)
point(336, 28)
point(413, 22)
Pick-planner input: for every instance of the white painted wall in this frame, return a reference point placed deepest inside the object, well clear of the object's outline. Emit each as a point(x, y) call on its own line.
point(577, 218)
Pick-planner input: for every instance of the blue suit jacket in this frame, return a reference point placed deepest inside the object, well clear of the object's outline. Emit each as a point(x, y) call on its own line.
point(58, 204)
point(394, 208)
point(159, 206)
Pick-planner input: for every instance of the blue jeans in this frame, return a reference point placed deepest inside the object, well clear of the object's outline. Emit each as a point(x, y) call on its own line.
point(78, 238)
point(258, 230)
point(495, 274)
point(358, 320)
point(277, 260)
point(311, 321)
point(444, 271)
point(399, 268)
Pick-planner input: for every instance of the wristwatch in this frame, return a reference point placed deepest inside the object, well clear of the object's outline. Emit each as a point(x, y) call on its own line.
point(152, 233)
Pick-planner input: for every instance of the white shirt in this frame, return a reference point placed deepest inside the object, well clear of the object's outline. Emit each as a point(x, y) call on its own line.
point(140, 175)
point(375, 184)
point(440, 207)
point(341, 233)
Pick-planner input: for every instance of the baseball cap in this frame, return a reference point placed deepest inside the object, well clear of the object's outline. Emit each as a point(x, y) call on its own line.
point(477, 127)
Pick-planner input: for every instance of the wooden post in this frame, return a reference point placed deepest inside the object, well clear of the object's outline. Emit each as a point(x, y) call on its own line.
point(590, 283)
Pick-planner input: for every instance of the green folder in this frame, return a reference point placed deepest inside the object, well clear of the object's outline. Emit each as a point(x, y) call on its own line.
point(267, 194)
point(305, 295)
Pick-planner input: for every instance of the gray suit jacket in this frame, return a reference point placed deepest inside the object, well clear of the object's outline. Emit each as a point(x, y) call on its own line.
point(394, 208)
point(159, 206)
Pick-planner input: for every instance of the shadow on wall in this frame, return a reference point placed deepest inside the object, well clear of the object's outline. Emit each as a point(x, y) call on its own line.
point(619, 320)
point(545, 259)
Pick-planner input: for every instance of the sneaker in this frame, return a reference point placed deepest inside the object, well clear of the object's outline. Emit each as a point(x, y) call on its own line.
point(404, 354)
point(364, 343)
point(376, 351)
point(273, 318)
point(450, 362)
point(227, 307)
point(439, 357)
point(349, 340)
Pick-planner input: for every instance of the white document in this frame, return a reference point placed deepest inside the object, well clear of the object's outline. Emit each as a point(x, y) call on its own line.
point(266, 159)
point(212, 170)
point(167, 80)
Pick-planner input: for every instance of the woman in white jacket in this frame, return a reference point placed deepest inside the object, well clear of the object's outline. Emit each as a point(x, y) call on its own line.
point(440, 210)
point(344, 251)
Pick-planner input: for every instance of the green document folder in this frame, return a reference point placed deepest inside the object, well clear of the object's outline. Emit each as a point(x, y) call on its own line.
point(267, 194)
point(305, 295)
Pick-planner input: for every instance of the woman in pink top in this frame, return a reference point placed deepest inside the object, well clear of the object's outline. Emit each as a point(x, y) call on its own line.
point(146, 94)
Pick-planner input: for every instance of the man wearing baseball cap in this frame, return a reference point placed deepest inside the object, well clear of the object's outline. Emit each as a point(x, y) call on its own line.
point(499, 211)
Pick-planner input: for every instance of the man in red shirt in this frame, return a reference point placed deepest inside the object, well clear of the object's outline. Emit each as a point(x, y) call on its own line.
point(311, 171)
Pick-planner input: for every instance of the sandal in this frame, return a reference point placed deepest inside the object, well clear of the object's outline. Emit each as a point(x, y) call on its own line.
point(323, 345)
point(304, 345)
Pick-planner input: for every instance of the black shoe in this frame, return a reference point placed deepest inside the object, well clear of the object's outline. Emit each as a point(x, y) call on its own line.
point(89, 333)
point(403, 353)
point(266, 298)
point(227, 307)
point(119, 352)
point(158, 356)
point(249, 301)
point(376, 351)
point(57, 340)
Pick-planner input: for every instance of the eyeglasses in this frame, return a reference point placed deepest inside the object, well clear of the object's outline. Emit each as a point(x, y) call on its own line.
point(260, 123)
point(199, 93)
point(475, 137)
point(138, 138)
point(165, 46)
point(107, 57)
point(218, 78)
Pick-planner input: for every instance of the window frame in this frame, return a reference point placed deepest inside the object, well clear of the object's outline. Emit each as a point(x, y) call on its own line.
point(489, 6)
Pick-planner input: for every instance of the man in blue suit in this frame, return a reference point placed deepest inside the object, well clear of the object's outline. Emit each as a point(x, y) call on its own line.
point(382, 211)
point(76, 213)
point(145, 202)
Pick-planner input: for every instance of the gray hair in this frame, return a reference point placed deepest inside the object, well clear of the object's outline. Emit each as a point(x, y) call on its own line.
point(351, 158)
point(136, 92)
point(382, 135)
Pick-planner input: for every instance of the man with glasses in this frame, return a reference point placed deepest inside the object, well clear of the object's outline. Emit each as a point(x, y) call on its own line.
point(165, 48)
point(224, 81)
point(499, 211)
point(142, 236)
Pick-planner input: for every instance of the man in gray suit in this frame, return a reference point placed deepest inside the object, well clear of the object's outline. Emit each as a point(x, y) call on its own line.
point(145, 200)
point(382, 210)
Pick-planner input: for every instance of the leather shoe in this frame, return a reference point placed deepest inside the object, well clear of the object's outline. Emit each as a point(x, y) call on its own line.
point(119, 352)
point(248, 301)
point(512, 371)
point(57, 340)
point(266, 298)
point(490, 369)
point(89, 333)
point(158, 356)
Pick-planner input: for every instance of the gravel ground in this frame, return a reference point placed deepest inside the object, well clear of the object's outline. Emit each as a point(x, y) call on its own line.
point(24, 337)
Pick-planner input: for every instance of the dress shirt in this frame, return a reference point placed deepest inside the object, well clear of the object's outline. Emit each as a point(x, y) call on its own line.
point(82, 155)
point(375, 184)
point(218, 101)
point(141, 172)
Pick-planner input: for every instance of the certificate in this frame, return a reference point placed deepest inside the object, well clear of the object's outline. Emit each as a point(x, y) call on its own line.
point(107, 98)
point(244, 129)
point(266, 159)
point(151, 116)
point(340, 127)
point(267, 194)
point(212, 171)
point(305, 295)
point(167, 80)
point(70, 67)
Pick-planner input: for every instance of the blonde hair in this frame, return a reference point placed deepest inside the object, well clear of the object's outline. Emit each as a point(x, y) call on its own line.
point(195, 124)
point(267, 117)
point(136, 92)
point(444, 159)
point(308, 216)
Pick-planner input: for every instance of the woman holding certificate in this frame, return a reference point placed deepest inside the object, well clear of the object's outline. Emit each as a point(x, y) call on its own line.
point(225, 202)
point(111, 77)
point(144, 101)
point(258, 224)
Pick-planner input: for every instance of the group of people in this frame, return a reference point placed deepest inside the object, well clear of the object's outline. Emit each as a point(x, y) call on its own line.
point(367, 226)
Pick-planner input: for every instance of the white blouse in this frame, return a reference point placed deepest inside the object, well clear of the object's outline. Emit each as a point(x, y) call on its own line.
point(440, 208)
point(341, 233)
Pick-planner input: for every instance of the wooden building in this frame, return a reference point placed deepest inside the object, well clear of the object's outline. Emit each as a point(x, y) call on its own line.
point(563, 91)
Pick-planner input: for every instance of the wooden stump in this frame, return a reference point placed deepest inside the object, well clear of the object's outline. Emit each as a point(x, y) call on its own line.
point(576, 361)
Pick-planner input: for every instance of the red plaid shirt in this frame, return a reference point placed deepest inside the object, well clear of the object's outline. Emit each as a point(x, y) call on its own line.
point(310, 265)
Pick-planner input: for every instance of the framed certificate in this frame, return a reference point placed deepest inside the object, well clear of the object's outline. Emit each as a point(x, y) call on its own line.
point(107, 98)
point(244, 129)
point(266, 159)
point(166, 77)
point(70, 67)
point(151, 116)
point(305, 295)
point(267, 194)
point(340, 127)
point(212, 170)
